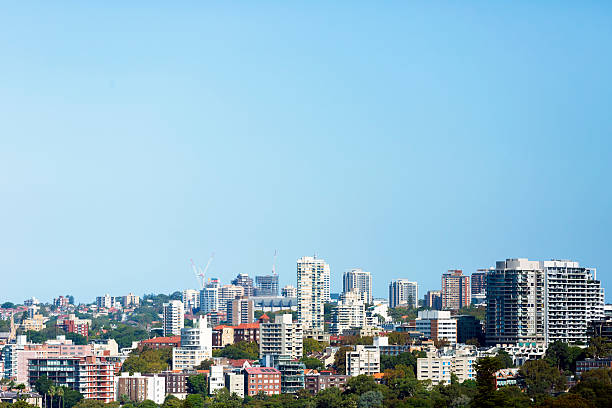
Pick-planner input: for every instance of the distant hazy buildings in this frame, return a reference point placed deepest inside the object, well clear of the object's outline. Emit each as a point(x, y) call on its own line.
point(191, 299)
point(350, 312)
point(266, 285)
point(240, 310)
point(312, 291)
point(227, 293)
point(433, 299)
point(209, 299)
point(174, 318)
point(455, 291)
point(403, 292)
point(289, 291)
point(358, 279)
point(246, 282)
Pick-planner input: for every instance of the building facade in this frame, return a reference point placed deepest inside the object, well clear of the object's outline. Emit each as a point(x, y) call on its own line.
point(312, 291)
point(364, 360)
point(174, 318)
point(403, 292)
point(266, 285)
point(358, 279)
point(196, 346)
point(456, 290)
point(281, 337)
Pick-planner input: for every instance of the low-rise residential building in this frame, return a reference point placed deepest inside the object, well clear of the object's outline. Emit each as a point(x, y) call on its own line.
point(216, 379)
point(262, 379)
point(160, 342)
point(507, 377)
point(292, 374)
point(438, 369)
point(319, 381)
point(592, 364)
point(72, 324)
point(234, 382)
point(139, 388)
point(363, 360)
point(437, 325)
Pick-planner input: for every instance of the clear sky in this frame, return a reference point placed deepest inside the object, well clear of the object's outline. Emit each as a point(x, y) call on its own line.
point(406, 138)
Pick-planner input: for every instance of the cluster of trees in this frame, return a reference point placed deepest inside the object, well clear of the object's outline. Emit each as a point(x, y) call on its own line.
point(148, 360)
point(239, 350)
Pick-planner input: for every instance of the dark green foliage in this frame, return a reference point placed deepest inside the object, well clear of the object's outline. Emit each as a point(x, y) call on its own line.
point(147, 404)
point(564, 357)
point(204, 365)
point(194, 401)
point(312, 345)
point(407, 359)
point(477, 312)
point(340, 359)
point(197, 384)
point(77, 338)
point(505, 359)
point(124, 335)
point(312, 363)
point(541, 378)
point(172, 402)
point(8, 305)
point(242, 349)
point(148, 361)
point(596, 387)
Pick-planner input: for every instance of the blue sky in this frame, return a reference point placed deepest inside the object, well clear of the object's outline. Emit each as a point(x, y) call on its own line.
point(406, 138)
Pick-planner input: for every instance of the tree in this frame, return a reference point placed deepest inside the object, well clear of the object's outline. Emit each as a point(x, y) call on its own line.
point(89, 403)
point(8, 305)
point(197, 384)
point(204, 365)
point(505, 359)
point(361, 384)
point(541, 378)
point(194, 401)
point(148, 360)
point(71, 397)
point(595, 386)
point(147, 404)
point(599, 347)
point(485, 383)
point(566, 401)
point(312, 363)
point(312, 345)
point(172, 402)
point(242, 349)
point(340, 359)
point(370, 399)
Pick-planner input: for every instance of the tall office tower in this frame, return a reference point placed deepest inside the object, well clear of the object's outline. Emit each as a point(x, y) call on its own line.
point(266, 285)
point(433, 299)
point(191, 299)
point(240, 311)
point(403, 292)
point(478, 282)
point(455, 290)
point(289, 291)
point(350, 312)
point(573, 298)
point(360, 279)
point(247, 283)
point(174, 318)
point(209, 299)
point(281, 337)
point(196, 345)
point(311, 282)
point(227, 293)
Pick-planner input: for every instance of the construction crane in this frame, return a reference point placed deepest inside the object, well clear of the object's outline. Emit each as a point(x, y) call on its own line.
point(201, 273)
point(274, 263)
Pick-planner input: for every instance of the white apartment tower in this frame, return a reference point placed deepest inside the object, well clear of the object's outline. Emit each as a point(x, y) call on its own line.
point(191, 299)
point(312, 291)
point(174, 315)
point(349, 313)
point(282, 337)
point(289, 291)
point(227, 293)
point(358, 279)
point(403, 292)
point(364, 360)
point(209, 299)
point(540, 302)
point(196, 346)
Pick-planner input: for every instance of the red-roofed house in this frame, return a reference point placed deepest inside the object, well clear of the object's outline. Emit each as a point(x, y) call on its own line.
point(248, 332)
point(262, 379)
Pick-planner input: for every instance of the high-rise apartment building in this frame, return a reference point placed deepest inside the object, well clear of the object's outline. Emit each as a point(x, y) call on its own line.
point(209, 299)
point(196, 346)
point(403, 292)
point(240, 311)
point(313, 282)
point(455, 291)
point(266, 285)
point(191, 299)
point(130, 300)
point(437, 325)
point(541, 302)
point(105, 302)
point(364, 360)
point(478, 282)
point(358, 279)
point(350, 312)
point(433, 299)
point(289, 291)
point(174, 318)
point(73, 324)
point(281, 337)
point(227, 293)
point(246, 282)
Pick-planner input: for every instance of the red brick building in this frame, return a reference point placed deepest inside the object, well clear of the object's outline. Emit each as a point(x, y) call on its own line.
point(160, 342)
point(262, 379)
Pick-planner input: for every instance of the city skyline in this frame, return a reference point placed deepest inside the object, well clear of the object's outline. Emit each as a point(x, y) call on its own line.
point(405, 139)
